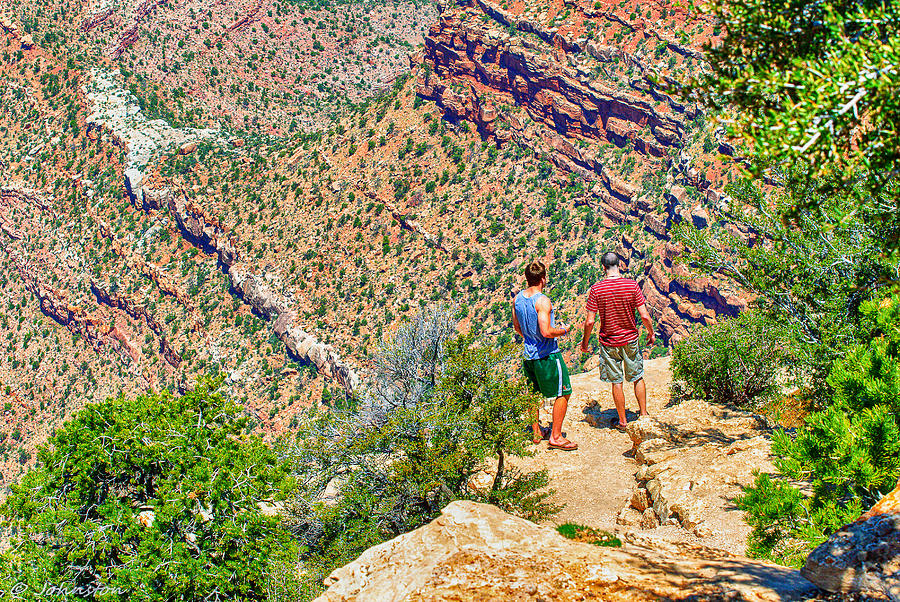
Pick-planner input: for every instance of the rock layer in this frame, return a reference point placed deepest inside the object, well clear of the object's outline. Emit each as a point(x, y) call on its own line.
point(477, 552)
point(300, 344)
point(116, 111)
point(553, 93)
point(107, 297)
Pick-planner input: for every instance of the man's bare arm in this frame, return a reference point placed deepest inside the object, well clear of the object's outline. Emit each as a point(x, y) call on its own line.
point(516, 320)
point(648, 323)
point(588, 328)
point(543, 308)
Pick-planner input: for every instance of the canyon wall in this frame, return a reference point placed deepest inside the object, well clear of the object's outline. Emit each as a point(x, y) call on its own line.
point(518, 80)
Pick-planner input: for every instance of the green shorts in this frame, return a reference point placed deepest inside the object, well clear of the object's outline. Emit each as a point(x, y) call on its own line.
point(549, 376)
point(612, 359)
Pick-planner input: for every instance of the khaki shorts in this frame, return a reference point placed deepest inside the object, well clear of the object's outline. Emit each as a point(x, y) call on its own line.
point(612, 359)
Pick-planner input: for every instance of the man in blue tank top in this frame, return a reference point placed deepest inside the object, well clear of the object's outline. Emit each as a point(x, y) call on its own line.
point(544, 367)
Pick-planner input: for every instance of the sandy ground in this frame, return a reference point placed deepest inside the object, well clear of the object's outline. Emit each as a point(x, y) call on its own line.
point(596, 480)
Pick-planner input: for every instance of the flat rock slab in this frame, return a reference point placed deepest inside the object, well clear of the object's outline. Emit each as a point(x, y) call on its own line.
point(478, 552)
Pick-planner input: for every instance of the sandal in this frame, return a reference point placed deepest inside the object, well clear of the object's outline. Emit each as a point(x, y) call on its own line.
point(614, 424)
point(567, 446)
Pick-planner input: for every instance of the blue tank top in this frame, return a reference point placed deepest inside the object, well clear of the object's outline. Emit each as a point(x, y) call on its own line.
point(536, 346)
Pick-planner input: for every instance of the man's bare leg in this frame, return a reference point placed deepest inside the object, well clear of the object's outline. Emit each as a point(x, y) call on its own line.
point(537, 436)
point(619, 399)
point(559, 413)
point(640, 392)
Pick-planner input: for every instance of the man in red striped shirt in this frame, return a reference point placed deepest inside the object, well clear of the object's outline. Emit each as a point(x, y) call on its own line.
point(613, 302)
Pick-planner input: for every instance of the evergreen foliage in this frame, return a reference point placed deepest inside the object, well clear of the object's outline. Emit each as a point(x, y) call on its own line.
point(732, 362)
point(849, 453)
point(812, 87)
point(442, 408)
point(809, 274)
point(152, 498)
point(814, 84)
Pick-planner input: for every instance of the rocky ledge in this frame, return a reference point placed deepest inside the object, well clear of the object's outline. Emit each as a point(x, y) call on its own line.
point(693, 458)
point(478, 552)
point(864, 556)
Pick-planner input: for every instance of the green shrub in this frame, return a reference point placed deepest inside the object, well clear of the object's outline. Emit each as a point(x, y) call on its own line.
point(589, 535)
point(153, 498)
point(733, 362)
point(440, 410)
point(849, 453)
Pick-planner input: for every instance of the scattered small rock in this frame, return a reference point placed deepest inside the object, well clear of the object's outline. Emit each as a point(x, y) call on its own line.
point(187, 148)
point(640, 499)
point(628, 517)
point(700, 217)
point(649, 519)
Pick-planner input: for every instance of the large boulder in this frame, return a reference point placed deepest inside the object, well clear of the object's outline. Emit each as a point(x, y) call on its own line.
point(864, 556)
point(478, 552)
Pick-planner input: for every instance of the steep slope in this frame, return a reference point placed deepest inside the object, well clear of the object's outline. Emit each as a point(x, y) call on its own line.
point(270, 65)
point(591, 90)
point(146, 243)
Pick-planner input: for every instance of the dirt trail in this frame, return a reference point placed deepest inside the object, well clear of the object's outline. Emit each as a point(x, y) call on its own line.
point(596, 481)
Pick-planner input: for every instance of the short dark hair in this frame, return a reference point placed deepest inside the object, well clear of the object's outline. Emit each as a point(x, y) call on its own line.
point(609, 260)
point(535, 272)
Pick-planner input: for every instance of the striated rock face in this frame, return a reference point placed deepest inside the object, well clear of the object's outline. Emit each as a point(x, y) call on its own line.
point(519, 80)
point(55, 305)
point(96, 16)
point(139, 312)
point(199, 228)
point(300, 344)
point(463, 49)
point(478, 552)
point(116, 111)
point(129, 34)
point(210, 235)
point(863, 557)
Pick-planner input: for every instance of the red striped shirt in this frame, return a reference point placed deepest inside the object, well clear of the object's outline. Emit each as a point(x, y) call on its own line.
point(615, 301)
